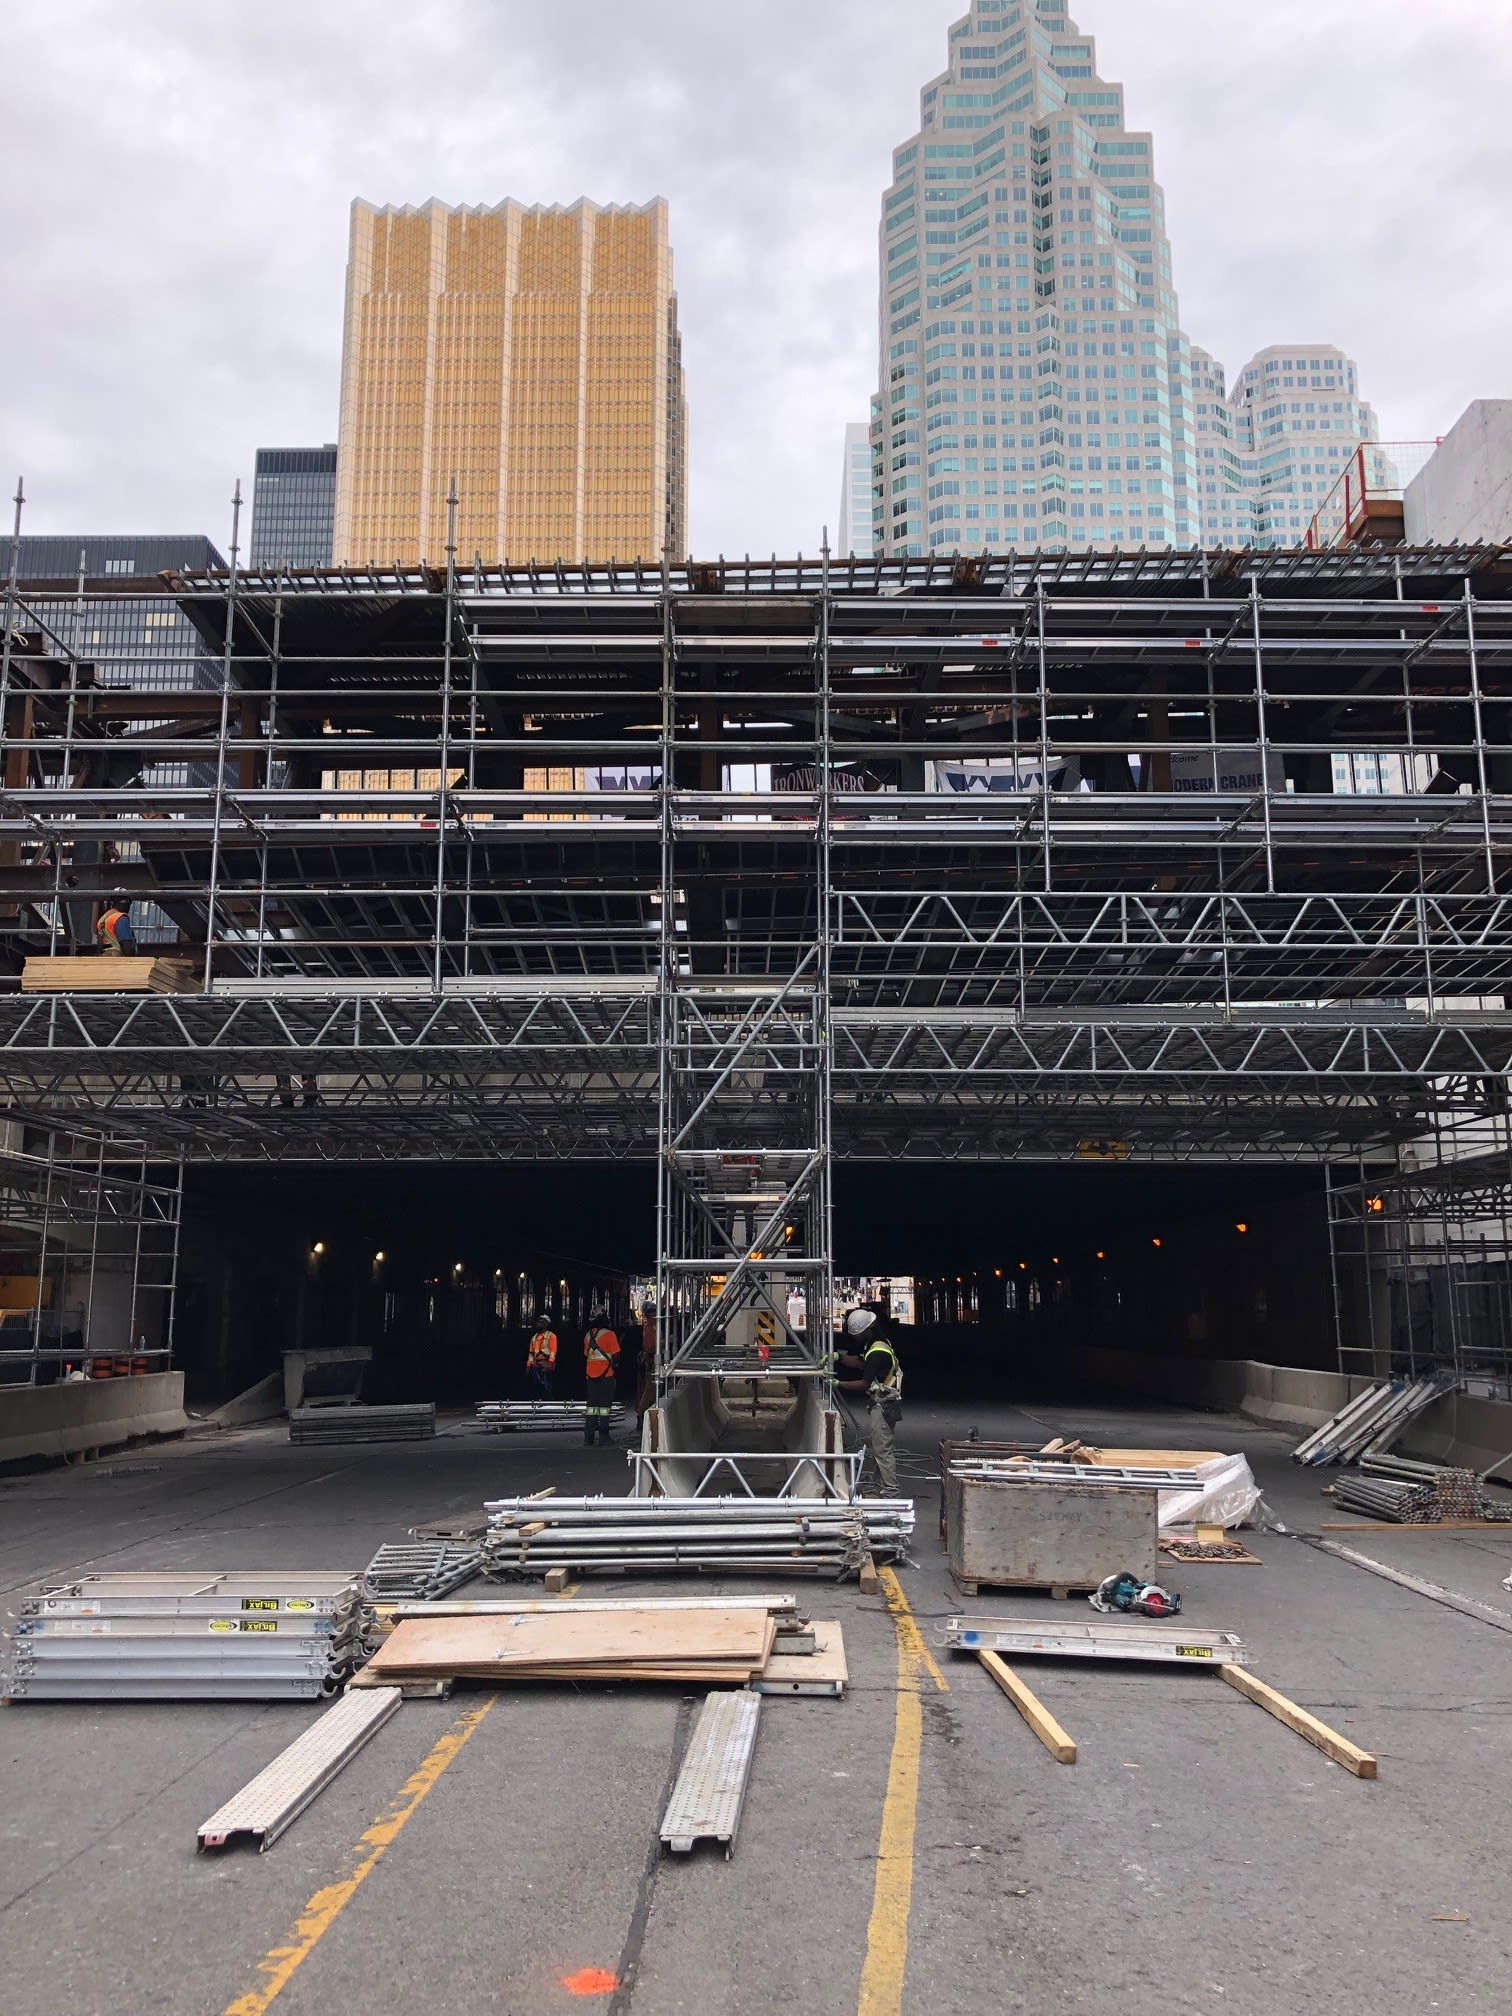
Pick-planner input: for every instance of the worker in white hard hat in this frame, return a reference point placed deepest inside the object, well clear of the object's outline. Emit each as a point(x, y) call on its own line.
point(879, 1376)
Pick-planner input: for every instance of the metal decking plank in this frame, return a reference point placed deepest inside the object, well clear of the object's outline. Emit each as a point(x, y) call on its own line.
point(710, 1791)
point(1104, 1638)
point(275, 1798)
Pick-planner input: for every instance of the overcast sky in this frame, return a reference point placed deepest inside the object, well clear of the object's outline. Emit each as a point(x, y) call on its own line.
point(177, 176)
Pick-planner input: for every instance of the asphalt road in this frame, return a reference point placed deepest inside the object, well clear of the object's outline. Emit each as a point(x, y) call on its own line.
point(1199, 1857)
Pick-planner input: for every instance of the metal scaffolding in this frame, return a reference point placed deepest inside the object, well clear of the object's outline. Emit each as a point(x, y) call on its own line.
point(89, 1241)
point(1421, 1247)
point(755, 864)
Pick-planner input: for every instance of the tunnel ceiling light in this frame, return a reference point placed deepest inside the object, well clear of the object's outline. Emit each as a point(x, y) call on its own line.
point(378, 1258)
point(1102, 1256)
point(1157, 1242)
point(1055, 1259)
point(1241, 1226)
point(1375, 1203)
point(1023, 1266)
point(998, 1272)
point(318, 1247)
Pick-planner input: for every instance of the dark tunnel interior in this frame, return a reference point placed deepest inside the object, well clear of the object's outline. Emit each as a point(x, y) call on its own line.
point(431, 1265)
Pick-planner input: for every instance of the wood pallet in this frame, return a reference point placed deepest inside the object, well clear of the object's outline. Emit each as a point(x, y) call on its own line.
point(1061, 1591)
point(1217, 1553)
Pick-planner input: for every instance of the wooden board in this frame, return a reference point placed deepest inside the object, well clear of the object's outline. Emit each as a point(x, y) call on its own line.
point(108, 973)
point(1152, 1459)
point(1405, 1526)
point(1308, 1727)
point(1033, 1710)
point(565, 1640)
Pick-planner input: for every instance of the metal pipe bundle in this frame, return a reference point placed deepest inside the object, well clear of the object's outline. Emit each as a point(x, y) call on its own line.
point(325, 1425)
point(539, 1417)
point(528, 1536)
point(1407, 1503)
point(1448, 1493)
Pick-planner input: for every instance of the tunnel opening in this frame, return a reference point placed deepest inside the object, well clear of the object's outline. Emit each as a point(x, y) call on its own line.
point(1014, 1275)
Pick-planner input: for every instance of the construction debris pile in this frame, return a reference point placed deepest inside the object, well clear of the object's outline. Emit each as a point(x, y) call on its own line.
point(420, 1568)
point(541, 1417)
point(585, 1536)
point(131, 1636)
point(1404, 1492)
point(323, 1425)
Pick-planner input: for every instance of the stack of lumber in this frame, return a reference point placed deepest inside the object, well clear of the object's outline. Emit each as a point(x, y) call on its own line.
point(709, 1645)
point(107, 974)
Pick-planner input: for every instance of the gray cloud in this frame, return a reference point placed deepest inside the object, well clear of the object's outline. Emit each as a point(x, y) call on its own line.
point(177, 180)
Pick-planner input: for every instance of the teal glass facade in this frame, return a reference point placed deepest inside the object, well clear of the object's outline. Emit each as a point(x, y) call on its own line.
point(1035, 383)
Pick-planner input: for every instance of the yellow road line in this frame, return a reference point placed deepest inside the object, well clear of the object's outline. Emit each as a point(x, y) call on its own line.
point(279, 1965)
point(907, 1627)
point(886, 1964)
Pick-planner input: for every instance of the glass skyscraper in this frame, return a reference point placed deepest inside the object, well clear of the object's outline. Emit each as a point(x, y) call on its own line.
point(294, 507)
point(1271, 447)
point(531, 354)
point(144, 642)
point(1035, 382)
point(855, 530)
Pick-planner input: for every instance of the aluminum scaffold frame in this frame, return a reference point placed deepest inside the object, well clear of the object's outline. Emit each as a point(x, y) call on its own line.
point(759, 860)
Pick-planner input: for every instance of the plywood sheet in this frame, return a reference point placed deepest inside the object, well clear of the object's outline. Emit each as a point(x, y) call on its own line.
point(562, 1639)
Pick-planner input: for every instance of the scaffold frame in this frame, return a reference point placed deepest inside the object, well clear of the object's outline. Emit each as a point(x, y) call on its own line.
point(1013, 857)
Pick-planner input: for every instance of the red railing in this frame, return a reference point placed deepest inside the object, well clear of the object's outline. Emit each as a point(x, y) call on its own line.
point(1374, 478)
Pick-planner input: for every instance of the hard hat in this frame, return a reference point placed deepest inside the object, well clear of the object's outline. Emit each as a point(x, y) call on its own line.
point(859, 1322)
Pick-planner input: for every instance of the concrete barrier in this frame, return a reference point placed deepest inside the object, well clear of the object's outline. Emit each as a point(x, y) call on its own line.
point(1470, 1433)
point(89, 1414)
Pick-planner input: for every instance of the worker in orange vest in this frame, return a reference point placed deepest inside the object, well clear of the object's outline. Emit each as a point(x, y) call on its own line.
point(601, 1362)
point(113, 929)
point(540, 1362)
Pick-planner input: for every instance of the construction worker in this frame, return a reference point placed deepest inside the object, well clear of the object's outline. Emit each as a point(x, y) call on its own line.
point(601, 1362)
point(540, 1362)
point(880, 1378)
point(113, 929)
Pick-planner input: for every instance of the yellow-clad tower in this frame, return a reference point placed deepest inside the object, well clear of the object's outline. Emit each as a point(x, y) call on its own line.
point(531, 353)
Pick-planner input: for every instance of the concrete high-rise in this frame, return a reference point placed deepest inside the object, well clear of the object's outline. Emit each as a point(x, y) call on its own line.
point(854, 534)
point(1035, 383)
point(294, 507)
point(1271, 447)
point(533, 355)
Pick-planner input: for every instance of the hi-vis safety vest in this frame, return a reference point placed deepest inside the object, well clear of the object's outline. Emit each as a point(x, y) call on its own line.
point(543, 1348)
point(886, 1381)
point(109, 927)
point(600, 1360)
